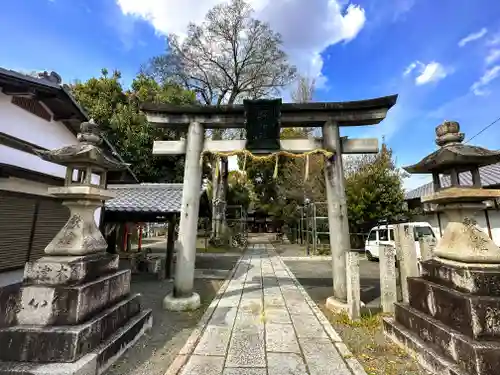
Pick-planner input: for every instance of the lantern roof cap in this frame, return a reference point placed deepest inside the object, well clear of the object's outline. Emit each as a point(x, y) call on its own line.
point(87, 152)
point(452, 153)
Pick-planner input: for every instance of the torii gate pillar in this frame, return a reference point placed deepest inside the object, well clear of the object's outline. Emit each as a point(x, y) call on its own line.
point(182, 297)
point(338, 223)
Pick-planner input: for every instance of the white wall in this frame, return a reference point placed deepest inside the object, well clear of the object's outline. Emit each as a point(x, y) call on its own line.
point(22, 124)
point(494, 217)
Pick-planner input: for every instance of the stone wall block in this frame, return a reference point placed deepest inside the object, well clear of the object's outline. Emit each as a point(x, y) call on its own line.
point(475, 357)
point(475, 316)
point(63, 305)
point(471, 279)
point(64, 270)
point(65, 343)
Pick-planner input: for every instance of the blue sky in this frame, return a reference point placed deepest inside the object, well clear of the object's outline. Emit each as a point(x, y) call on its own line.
point(449, 50)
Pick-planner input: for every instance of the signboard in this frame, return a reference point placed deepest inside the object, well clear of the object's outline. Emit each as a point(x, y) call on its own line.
point(262, 123)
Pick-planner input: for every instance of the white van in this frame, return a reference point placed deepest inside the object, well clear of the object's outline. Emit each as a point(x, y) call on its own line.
point(384, 235)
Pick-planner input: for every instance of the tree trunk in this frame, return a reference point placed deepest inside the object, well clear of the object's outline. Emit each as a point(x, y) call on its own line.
point(224, 173)
point(215, 199)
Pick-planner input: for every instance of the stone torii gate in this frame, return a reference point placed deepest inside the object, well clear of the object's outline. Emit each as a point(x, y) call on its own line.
point(266, 117)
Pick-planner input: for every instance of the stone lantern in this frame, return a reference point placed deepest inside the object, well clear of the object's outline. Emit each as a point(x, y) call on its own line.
point(80, 193)
point(452, 320)
point(74, 313)
point(462, 241)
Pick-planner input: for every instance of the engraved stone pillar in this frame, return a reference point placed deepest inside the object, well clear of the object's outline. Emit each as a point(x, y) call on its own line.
point(427, 245)
point(408, 262)
point(388, 288)
point(353, 285)
point(407, 256)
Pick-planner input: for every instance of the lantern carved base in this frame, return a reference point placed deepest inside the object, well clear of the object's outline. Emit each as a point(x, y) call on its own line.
point(73, 315)
point(452, 321)
point(462, 240)
point(80, 235)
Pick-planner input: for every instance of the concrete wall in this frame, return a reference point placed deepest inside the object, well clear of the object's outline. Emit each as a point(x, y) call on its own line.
point(494, 217)
point(22, 124)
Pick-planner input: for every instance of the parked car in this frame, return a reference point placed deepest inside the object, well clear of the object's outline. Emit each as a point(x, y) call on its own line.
point(384, 235)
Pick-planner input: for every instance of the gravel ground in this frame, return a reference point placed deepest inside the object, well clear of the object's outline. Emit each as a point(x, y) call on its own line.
point(366, 339)
point(377, 354)
point(155, 351)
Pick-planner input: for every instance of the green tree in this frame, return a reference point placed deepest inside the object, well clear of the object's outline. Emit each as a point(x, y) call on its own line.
point(118, 113)
point(374, 189)
point(240, 190)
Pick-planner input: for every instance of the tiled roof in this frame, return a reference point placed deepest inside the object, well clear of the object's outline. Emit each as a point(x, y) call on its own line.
point(490, 175)
point(146, 198)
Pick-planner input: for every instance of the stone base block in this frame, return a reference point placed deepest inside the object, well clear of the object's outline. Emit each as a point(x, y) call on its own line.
point(71, 304)
point(172, 303)
point(68, 270)
point(94, 363)
point(337, 306)
point(463, 277)
point(425, 355)
point(475, 316)
point(474, 357)
point(65, 343)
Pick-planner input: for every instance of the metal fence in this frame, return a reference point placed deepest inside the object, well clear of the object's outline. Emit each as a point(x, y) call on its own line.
point(235, 229)
point(312, 230)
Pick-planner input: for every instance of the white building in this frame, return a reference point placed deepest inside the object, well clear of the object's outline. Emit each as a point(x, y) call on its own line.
point(35, 113)
point(488, 220)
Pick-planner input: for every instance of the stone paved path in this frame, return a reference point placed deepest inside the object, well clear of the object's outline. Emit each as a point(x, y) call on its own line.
point(263, 322)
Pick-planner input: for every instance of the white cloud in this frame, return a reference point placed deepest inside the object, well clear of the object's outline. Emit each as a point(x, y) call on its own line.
point(431, 72)
point(402, 7)
point(493, 56)
point(494, 40)
point(472, 37)
point(479, 87)
point(307, 28)
point(410, 68)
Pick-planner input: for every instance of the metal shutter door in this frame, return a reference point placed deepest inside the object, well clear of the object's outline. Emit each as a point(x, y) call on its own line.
point(52, 216)
point(16, 219)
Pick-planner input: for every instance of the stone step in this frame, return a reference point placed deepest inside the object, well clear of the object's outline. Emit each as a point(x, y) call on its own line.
point(464, 278)
point(93, 363)
point(474, 357)
point(116, 345)
point(71, 304)
point(475, 316)
point(66, 270)
point(65, 343)
point(425, 354)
